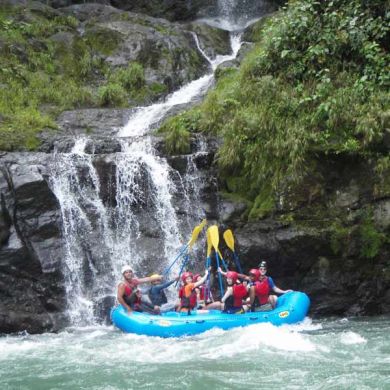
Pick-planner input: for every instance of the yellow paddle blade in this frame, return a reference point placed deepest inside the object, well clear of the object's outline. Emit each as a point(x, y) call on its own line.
point(229, 239)
point(209, 244)
point(195, 232)
point(214, 236)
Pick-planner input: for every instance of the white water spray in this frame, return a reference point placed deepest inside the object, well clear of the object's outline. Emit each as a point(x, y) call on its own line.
point(143, 225)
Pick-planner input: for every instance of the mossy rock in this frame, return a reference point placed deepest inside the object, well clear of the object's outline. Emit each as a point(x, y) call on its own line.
point(213, 41)
point(254, 31)
point(103, 39)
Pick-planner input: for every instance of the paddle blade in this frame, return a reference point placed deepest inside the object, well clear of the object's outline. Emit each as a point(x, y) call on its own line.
point(214, 236)
point(195, 232)
point(209, 244)
point(229, 239)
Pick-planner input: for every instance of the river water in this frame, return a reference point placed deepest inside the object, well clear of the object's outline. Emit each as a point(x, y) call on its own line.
point(327, 354)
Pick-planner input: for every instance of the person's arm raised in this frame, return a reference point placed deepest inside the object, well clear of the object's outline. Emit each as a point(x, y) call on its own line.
point(202, 279)
point(221, 272)
point(148, 279)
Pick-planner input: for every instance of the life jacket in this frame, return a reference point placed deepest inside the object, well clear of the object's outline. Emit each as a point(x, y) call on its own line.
point(157, 299)
point(135, 299)
point(187, 302)
point(262, 289)
point(202, 292)
point(235, 300)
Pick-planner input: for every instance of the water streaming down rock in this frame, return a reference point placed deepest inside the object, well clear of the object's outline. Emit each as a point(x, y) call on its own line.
point(141, 228)
point(85, 221)
point(144, 225)
point(235, 15)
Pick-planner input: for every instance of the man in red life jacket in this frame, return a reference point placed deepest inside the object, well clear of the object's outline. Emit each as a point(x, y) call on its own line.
point(260, 298)
point(187, 293)
point(128, 294)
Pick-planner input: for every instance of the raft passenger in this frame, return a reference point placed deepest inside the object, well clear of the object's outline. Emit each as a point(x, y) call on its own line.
point(233, 300)
point(264, 286)
point(157, 295)
point(187, 293)
point(203, 294)
point(128, 294)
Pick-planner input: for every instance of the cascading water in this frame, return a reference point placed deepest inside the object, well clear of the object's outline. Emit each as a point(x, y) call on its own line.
point(235, 15)
point(143, 227)
point(76, 185)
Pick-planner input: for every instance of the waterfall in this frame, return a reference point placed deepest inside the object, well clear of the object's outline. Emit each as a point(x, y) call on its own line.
point(143, 225)
point(76, 185)
point(236, 15)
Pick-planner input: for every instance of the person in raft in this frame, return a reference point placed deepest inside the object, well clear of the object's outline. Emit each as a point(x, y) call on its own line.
point(260, 286)
point(201, 292)
point(260, 297)
point(128, 294)
point(233, 300)
point(187, 293)
point(157, 295)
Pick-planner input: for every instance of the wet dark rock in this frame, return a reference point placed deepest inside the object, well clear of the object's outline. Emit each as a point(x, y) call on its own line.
point(106, 169)
point(230, 211)
point(31, 247)
point(100, 124)
point(169, 9)
point(213, 41)
point(102, 308)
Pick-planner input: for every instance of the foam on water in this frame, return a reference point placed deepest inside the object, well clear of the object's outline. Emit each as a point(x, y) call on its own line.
point(351, 338)
point(310, 355)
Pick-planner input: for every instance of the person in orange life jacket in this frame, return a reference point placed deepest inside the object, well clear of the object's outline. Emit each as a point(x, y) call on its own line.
point(260, 298)
point(128, 294)
point(187, 293)
point(233, 300)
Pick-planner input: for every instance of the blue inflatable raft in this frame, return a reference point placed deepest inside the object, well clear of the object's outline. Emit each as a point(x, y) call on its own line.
point(291, 308)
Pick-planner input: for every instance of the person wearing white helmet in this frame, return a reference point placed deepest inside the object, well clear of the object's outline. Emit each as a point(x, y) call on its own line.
point(128, 294)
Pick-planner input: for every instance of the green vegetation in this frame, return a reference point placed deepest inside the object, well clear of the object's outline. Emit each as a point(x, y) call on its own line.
point(177, 132)
point(46, 67)
point(315, 84)
point(362, 231)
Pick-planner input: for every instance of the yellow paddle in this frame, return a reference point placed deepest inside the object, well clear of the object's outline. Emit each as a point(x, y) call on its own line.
point(214, 239)
point(209, 244)
point(196, 232)
point(229, 239)
point(185, 248)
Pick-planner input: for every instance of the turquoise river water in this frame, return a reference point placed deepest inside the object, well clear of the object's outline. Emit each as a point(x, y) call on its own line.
point(326, 354)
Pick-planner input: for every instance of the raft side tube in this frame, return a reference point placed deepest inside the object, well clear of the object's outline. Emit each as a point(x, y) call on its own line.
point(291, 308)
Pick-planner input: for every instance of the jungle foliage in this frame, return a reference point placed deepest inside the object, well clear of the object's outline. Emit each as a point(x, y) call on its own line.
point(316, 83)
point(47, 67)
